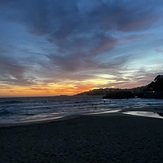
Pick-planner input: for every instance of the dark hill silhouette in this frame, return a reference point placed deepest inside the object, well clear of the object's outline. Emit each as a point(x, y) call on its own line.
point(119, 95)
point(157, 84)
point(154, 89)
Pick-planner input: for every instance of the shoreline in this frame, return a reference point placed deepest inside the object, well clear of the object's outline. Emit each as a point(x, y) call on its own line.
point(152, 109)
point(3, 125)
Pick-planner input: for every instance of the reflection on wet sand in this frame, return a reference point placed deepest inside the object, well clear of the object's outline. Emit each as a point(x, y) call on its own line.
point(145, 114)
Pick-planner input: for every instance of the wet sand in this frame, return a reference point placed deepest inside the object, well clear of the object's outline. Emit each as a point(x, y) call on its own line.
point(105, 138)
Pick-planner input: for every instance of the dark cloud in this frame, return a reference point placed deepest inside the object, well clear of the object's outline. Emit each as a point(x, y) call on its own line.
point(74, 63)
point(8, 66)
point(11, 72)
point(62, 20)
point(80, 62)
point(105, 45)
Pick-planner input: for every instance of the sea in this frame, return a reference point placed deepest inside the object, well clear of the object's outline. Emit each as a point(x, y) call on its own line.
point(33, 109)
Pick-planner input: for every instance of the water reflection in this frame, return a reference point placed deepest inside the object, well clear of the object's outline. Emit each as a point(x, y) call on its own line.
point(145, 114)
point(103, 112)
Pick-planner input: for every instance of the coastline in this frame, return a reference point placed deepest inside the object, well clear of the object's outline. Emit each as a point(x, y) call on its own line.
point(112, 137)
point(44, 121)
point(152, 109)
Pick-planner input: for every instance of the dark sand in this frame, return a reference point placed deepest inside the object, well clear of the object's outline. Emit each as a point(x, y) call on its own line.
point(113, 138)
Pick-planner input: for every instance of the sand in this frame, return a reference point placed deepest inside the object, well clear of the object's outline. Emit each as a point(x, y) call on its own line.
point(89, 139)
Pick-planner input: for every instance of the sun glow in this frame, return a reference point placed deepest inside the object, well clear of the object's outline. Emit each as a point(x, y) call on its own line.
point(51, 89)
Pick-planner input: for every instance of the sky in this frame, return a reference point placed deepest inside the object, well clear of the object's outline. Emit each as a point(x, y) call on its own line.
point(55, 47)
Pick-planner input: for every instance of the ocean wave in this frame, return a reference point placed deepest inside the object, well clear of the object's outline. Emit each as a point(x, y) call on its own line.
point(32, 109)
point(11, 102)
point(5, 112)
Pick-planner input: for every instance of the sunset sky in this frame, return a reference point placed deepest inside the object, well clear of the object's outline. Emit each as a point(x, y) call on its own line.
point(54, 47)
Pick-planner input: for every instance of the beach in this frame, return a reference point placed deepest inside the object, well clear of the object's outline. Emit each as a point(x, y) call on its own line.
point(108, 138)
